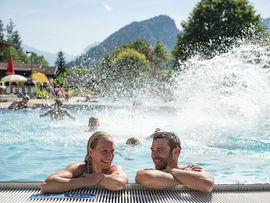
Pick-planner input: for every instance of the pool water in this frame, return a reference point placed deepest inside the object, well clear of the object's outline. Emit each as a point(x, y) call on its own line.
point(33, 147)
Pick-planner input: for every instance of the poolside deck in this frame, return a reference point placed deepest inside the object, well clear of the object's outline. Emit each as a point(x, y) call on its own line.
point(133, 193)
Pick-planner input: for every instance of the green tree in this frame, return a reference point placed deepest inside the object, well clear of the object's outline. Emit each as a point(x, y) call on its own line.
point(162, 57)
point(60, 63)
point(33, 59)
point(129, 63)
point(2, 29)
point(139, 45)
point(13, 36)
point(9, 30)
point(14, 47)
point(214, 26)
point(16, 40)
point(125, 69)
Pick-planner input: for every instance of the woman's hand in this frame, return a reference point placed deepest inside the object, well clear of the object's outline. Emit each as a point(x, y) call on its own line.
point(93, 178)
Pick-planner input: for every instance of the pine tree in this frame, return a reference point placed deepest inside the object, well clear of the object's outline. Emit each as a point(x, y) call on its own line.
point(16, 39)
point(60, 63)
point(2, 35)
point(9, 30)
point(13, 36)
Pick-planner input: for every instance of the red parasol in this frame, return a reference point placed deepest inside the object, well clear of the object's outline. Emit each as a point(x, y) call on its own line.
point(10, 66)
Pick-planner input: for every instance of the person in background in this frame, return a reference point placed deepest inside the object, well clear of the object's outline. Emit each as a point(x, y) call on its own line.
point(166, 149)
point(93, 123)
point(132, 141)
point(152, 135)
point(22, 104)
point(97, 169)
point(58, 111)
point(88, 98)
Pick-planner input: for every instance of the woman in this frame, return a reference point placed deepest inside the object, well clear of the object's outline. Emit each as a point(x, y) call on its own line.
point(97, 169)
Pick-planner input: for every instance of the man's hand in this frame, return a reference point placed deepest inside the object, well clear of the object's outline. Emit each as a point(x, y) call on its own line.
point(193, 168)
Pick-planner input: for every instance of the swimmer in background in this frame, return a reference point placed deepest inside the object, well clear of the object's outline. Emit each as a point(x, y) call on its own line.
point(152, 135)
point(93, 123)
point(58, 112)
point(132, 141)
point(87, 99)
point(135, 141)
point(24, 103)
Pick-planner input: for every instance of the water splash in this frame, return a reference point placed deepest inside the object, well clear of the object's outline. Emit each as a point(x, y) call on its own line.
point(227, 91)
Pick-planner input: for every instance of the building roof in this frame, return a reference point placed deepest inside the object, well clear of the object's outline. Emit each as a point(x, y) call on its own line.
point(47, 70)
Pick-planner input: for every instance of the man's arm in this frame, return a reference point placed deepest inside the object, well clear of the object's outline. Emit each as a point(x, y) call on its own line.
point(152, 178)
point(70, 178)
point(116, 180)
point(194, 178)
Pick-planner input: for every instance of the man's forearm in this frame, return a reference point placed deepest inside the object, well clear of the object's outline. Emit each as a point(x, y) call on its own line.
point(156, 179)
point(195, 180)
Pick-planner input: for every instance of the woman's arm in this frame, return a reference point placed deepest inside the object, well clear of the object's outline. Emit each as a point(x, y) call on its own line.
point(115, 180)
point(69, 178)
point(152, 178)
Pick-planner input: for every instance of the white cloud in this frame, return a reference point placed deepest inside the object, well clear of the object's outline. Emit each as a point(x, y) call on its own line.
point(107, 7)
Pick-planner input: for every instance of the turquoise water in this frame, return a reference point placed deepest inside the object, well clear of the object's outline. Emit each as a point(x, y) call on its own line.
point(33, 147)
point(220, 109)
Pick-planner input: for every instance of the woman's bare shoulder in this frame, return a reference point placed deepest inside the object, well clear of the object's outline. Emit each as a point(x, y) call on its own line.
point(76, 166)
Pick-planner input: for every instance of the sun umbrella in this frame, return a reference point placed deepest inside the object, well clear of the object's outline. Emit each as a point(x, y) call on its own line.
point(10, 66)
point(39, 77)
point(14, 78)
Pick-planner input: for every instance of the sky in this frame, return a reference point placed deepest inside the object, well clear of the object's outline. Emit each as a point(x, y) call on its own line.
point(72, 25)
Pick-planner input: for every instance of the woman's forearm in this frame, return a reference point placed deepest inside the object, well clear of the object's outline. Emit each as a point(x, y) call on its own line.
point(113, 182)
point(56, 184)
point(59, 184)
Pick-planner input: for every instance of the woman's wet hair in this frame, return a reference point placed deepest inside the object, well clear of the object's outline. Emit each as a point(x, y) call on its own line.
point(173, 139)
point(93, 142)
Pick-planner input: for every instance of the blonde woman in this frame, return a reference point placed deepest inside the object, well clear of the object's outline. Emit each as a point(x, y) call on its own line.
point(97, 169)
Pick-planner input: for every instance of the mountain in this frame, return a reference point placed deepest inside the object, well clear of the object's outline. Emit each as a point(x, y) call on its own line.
point(161, 28)
point(90, 47)
point(266, 22)
point(50, 57)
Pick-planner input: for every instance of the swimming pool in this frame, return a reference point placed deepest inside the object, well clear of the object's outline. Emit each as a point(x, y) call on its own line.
point(221, 111)
point(33, 147)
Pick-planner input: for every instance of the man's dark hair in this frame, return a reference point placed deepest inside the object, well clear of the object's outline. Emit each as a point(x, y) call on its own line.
point(173, 139)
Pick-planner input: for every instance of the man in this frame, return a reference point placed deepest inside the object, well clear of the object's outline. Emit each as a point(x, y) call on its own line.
point(93, 123)
point(58, 112)
point(166, 149)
